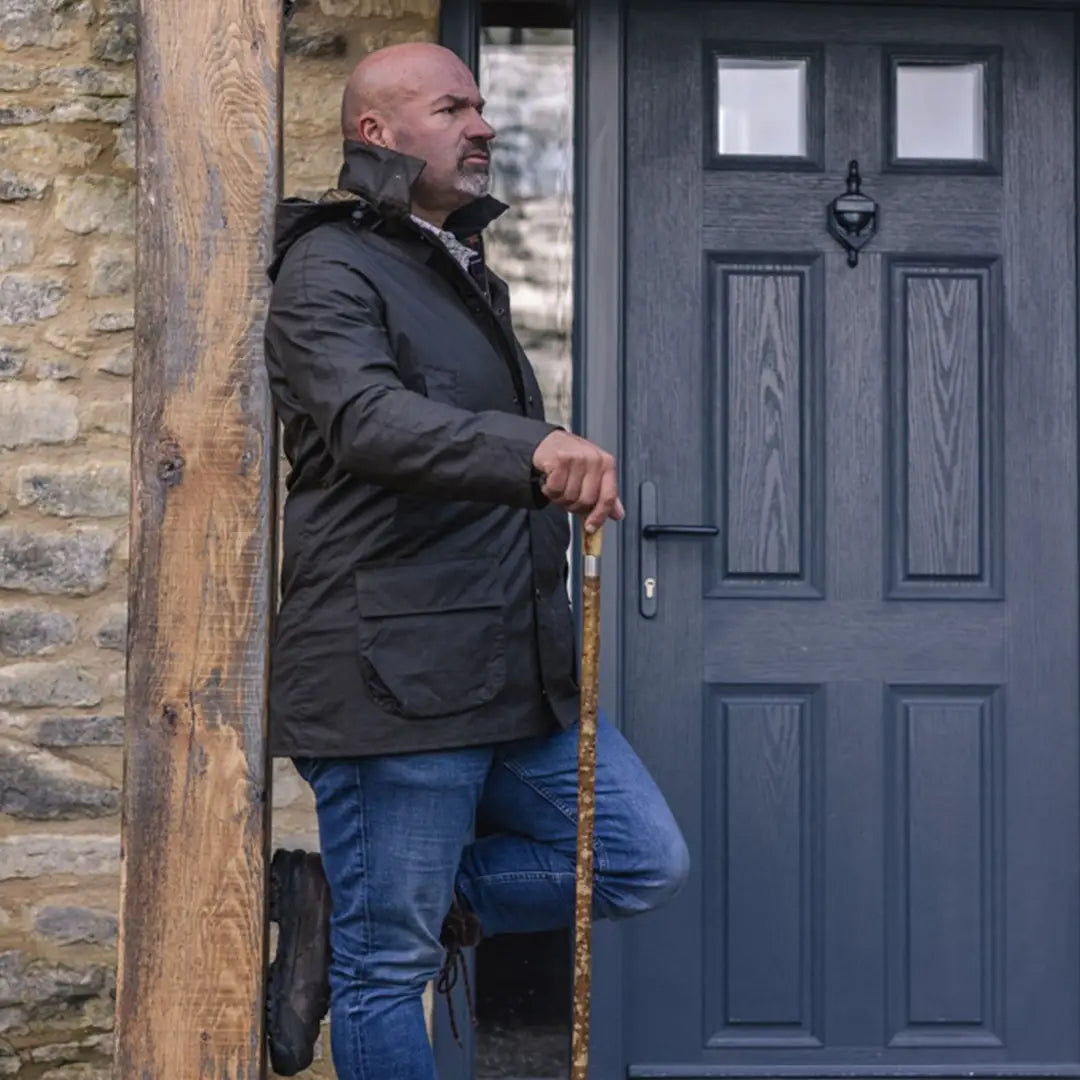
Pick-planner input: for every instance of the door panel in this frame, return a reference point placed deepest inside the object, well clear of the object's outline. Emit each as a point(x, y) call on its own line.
point(861, 695)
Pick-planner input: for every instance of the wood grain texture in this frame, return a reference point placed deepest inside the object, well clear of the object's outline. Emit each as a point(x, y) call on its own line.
point(765, 467)
point(764, 357)
point(946, 432)
point(192, 925)
point(586, 809)
point(793, 207)
point(943, 413)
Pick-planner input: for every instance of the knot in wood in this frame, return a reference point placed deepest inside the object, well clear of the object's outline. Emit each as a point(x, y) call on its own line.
point(170, 468)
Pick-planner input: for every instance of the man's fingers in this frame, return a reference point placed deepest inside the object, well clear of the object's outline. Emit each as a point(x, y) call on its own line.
point(575, 477)
point(555, 484)
point(607, 494)
point(595, 521)
point(591, 493)
point(581, 478)
point(604, 504)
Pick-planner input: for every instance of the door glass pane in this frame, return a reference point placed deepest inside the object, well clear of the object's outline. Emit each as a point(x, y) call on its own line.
point(939, 111)
point(527, 78)
point(762, 106)
point(524, 981)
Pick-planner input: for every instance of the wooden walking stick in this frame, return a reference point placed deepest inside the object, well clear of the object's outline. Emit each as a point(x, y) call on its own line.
point(586, 800)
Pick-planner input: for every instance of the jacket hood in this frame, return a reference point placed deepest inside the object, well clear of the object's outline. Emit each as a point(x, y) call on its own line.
point(381, 182)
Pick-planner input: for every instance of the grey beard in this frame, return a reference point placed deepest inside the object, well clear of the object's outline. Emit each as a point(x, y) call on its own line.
point(474, 183)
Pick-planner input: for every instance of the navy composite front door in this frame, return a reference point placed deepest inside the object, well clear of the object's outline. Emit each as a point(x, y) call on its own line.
point(861, 693)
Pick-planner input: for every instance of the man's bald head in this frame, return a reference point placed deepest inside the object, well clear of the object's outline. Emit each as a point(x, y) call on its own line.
point(389, 76)
point(421, 100)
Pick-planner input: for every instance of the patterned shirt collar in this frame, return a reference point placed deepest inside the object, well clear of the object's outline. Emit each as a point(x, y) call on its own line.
point(464, 255)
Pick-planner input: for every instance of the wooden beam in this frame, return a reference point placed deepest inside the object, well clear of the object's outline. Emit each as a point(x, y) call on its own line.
point(192, 947)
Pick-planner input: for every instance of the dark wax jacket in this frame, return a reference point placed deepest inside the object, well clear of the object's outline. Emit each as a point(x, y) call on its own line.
point(423, 589)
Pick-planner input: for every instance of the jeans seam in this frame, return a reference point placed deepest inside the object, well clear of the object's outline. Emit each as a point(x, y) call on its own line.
point(571, 815)
point(524, 875)
point(365, 933)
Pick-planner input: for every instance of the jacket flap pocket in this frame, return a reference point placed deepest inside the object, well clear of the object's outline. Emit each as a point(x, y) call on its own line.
point(423, 588)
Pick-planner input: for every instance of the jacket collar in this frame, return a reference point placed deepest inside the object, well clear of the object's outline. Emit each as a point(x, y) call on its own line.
point(384, 179)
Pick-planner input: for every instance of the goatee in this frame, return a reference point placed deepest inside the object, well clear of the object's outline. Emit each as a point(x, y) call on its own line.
point(474, 183)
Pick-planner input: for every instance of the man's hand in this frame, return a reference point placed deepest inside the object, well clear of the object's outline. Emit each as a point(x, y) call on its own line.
point(579, 476)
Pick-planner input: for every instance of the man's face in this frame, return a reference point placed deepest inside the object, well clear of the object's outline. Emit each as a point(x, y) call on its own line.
point(441, 123)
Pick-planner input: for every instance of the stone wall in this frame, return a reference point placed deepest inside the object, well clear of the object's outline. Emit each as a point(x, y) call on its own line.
point(66, 268)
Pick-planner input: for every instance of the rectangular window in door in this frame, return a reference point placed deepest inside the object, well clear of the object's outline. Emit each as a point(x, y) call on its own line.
point(943, 110)
point(764, 106)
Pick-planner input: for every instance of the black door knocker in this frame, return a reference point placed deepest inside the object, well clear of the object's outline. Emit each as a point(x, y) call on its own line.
point(853, 217)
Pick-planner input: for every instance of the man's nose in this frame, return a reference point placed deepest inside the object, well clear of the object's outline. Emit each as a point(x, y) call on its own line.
point(479, 128)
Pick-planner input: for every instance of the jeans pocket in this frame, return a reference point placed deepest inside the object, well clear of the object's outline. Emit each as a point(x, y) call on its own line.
point(432, 636)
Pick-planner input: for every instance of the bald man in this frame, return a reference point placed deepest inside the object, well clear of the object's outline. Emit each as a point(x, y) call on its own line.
point(423, 664)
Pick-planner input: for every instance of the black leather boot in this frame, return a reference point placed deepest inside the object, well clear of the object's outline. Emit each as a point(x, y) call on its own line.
point(460, 930)
point(298, 983)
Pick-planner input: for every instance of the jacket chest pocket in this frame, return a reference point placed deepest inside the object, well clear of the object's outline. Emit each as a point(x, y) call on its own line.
point(432, 637)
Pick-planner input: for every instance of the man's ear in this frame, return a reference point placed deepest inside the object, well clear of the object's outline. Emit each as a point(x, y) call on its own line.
point(370, 128)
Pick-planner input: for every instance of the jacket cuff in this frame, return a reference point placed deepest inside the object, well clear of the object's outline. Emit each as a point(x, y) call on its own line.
point(541, 429)
point(536, 480)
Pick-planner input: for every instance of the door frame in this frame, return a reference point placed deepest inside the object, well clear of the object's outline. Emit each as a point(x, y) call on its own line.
point(598, 405)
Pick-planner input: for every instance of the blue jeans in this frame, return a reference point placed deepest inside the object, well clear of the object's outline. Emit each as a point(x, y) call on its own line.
point(394, 836)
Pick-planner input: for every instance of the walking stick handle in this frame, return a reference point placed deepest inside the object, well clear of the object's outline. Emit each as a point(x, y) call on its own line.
point(586, 804)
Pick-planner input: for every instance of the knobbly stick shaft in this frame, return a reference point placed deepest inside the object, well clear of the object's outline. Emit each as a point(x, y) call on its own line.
point(590, 671)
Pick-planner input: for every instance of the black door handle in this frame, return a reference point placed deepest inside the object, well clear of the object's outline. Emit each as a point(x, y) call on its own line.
point(651, 531)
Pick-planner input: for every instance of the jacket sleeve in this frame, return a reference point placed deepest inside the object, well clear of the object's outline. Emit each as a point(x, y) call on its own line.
point(326, 332)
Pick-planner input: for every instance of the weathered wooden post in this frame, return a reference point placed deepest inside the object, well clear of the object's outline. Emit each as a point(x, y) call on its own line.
point(192, 931)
